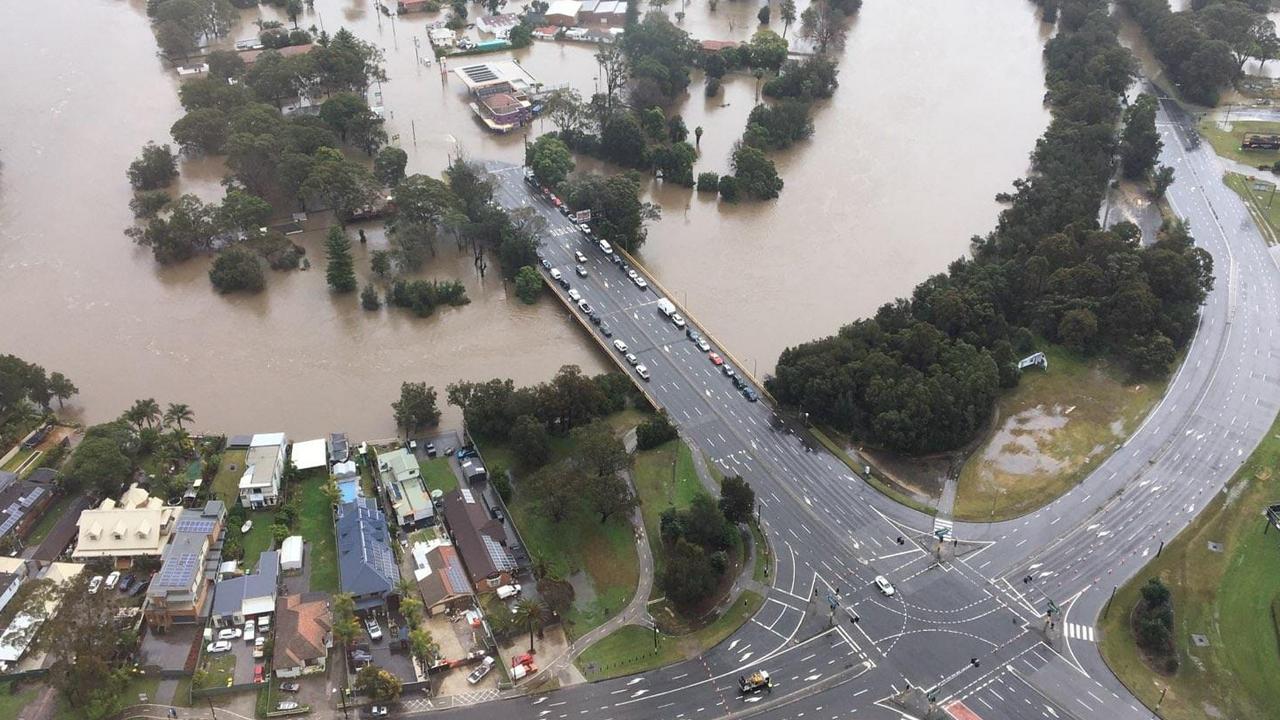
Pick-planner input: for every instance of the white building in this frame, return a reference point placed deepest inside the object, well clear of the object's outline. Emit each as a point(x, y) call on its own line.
point(263, 466)
point(291, 553)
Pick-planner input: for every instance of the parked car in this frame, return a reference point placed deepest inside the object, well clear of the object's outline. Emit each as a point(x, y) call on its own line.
point(703, 345)
point(728, 371)
point(738, 382)
point(290, 687)
point(464, 453)
point(481, 670)
point(678, 319)
point(220, 646)
point(125, 582)
point(620, 346)
point(750, 394)
point(229, 634)
point(508, 591)
point(361, 656)
point(259, 674)
point(605, 247)
point(378, 711)
point(94, 584)
point(642, 283)
point(632, 359)
point(606, 330)
point(643, 372)
point(249, 634)
point(715, 359)
point(375, 632)
point(574, 295)
point(595, 318)
point(884, 586)
point(693, 335)
point(585, 228)
point(112, 579)
point(264, 621)
point(546, 264)
point(555, 274)
point(632, 274)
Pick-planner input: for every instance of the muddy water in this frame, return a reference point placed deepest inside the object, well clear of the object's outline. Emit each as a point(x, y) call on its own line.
point(938, 107)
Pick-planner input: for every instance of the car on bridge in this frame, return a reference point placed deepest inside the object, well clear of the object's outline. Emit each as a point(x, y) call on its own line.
point(620, 346)
point(577, 255)
point(643, 372)
point(715, 359)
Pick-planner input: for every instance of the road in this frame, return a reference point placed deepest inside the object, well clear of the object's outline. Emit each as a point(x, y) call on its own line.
point(967, 624)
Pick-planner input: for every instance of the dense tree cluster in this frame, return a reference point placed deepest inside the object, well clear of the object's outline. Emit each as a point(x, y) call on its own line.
point(659, 56)
point(1200, 65)
point(423, 296)
point(1140, 141)
point(495, 408)
point(811, 78)
point(237, 269)
point(777, 126)
point(1153, 625)
point(617, 213)
point(696, 542)
point(655, 431)
point(155, 167)
point(22, 382)
point(416, 407)
point(921, 375)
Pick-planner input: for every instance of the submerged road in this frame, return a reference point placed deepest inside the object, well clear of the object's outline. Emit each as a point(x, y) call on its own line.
point(967, 623)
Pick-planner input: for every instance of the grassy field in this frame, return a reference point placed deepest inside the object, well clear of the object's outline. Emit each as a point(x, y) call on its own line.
point(438, 475)
point(631, 649)
point(226, 483)
point(218, 671)
point(316, 527)
point(1225, 596)
point(16, 461)
point(1227, 142)
point(258, 538)
point(664, 478)
point(1261, 202)
point(1051, 432)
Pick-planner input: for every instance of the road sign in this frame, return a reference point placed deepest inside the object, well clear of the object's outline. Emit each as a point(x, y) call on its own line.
point(942, 532)
point(1053, 608)
point(582, 216)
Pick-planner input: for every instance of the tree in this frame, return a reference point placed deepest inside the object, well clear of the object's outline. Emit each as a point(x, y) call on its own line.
point(345, 626)
point(687, 578)
point(379, 684)
point(1246, 32)
point(340, 270)
point(1161, 180)
point(528, 613)
point(697, 134)
point(416, 407)
point(389, 164)
point(423, 647)
point(737, 499)
point(369, 299)
point(1140, 141)
point(97, 466)
point(530, 441)
point(237, 269)
point(763, 15)
point(787, 11)
point(148, 203)
point(528, 284)
point(293, 8)
point(154, 168)
point(177, 414)
point(243, 211)
point(608, 495)
point(708, 182)
point(203, 130)
point(380, 263)
point(549, 159)
point(655, 431)
point(755, 173)
point(61, 387)
point(343, 185)
point(824, 26)
point(556, 491)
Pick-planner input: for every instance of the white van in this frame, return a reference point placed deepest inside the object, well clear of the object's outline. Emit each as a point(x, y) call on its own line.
point(508, 591)
point(555, 274)
point(666, 307)
point(606, 247)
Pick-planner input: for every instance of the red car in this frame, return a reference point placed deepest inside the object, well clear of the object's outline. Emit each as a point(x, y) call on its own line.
point(259, 674)
point(716, 359)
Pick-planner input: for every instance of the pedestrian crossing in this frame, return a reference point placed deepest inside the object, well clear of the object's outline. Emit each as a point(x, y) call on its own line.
point(1079, 632)
point(940, 524)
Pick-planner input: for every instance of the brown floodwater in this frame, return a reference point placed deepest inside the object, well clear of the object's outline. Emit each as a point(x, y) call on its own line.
point(939, 105)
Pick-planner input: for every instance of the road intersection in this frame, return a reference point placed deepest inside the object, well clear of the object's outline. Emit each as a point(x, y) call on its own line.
point(967, 625)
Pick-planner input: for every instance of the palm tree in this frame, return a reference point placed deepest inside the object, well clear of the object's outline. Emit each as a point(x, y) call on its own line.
point(178, 413)
point(331, 493)
point(147, 411)
point(528, 613)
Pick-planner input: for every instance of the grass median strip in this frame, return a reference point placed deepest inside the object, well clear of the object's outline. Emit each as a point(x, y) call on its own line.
point(1226, 596)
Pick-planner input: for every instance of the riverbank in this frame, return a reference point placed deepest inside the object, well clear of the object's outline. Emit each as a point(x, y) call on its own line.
point(1224, 575)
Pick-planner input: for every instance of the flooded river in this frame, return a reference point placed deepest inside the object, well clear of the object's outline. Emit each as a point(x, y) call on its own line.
point(939, 105)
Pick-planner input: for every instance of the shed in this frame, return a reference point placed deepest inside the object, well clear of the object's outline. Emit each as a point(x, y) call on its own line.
point(291, 553)
point(309, 454)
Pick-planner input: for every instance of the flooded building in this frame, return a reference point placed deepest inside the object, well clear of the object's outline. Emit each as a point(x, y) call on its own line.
point(501, 94)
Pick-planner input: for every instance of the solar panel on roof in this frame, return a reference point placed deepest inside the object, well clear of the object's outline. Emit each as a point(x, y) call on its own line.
point(457, 578)
point(196, 526)
point(500, 556)
point(178, 571)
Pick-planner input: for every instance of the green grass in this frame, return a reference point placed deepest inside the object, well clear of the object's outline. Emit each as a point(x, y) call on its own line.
point(50, 518)
point(366, 481)
point(1051, 432)
point(1227, 142)
point(1225, 596)
point(258, 538)
point(859, 471)
point(182, 693)
point(143, 684)
point(11, 703)
point(219, 671)
point(630, 649)
point(664, 478)
point(1261, 203)
point(226, 483)
point(438, 475)
point(315, 523)
point(16, 461)
point(760, 573)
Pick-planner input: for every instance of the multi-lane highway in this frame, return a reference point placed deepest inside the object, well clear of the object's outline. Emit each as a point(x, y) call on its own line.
point(969, 628)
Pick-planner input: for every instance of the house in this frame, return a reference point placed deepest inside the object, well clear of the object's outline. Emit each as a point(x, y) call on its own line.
point(263, 467)
point(291, 554)
point(408, 6)
point(480, 540)
point(612, 13)
point(499, 25)
point(247, 596)
point(179, 591)
point(304, 634)
point(366, 563)
point(501, 93)
point(339, 448)
point(546, 32)
point(309, 454)
point(251, 56)
point(138, 526)
point(401, 480)
point(22, 504)
point(441, 579)
point(711, 47)
point(563, 13)
point(13, 572)
point(22, 630)
point(442, 37)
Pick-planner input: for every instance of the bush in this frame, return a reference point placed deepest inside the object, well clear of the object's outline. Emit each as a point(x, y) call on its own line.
point(237, 269)
point(729, 189)
point(713, 86)
point(708, 182)
point(369, 299)
point(528, 284)
point(154, 168)
point(655, 431)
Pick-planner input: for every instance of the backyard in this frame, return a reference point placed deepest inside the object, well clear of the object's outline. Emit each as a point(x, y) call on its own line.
point(226, 483)
point(315, 524)
point(438, 475)
point(1230, 595)
point(1050, 432)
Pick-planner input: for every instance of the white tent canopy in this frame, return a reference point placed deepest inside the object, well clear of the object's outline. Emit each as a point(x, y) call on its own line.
point(291, 553)
point(309, 454)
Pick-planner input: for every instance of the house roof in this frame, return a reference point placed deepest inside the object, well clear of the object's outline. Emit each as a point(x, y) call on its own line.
point(259, 464)
point(43, 475)
point(303, 623)
point(137, 525)
point(400, 464)
point(251, 56)
point(439, 572)
point(478, 537)
point(18, 501)
point(239, 441)
point(187, 556)
point(366, 562)
point(249, 594)
point(568, 8)
point(309, 454)
point(291, 550)
point(339, 447)
point(717, 45)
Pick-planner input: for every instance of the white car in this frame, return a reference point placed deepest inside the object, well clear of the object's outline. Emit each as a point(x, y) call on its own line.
point(287, 705)
point(248, 631)
point(678, 319)
point(574, 295)
point(508, 591)
point(481, 670)
point(703, 345)
point(580, 270)
point(112, 579)
point(585, 228)
point(94, 584)
point(218, 647)
point(605, 247)
point(883, 585)
point(620, 346)
point(632, 359)
point(577, 255)
point(641, 283)
point(229, 634)
point(375, 632)
point(643, 372)
point(633, 274)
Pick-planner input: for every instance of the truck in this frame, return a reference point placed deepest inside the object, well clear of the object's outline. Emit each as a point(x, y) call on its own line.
point(666, 307)
point(755, 682)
